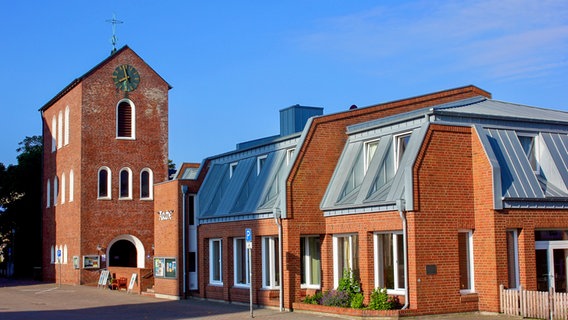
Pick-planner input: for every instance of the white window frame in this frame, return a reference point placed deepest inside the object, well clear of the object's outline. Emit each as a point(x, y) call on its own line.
point(397, 157)
point(232, 168)
point(260, 161)
point(66, 130)
point(270, 280)
point(470, 263)
point(289, 155)
point(108, 182)
point(338, 274)
point(236, 265)
point(71, 185)
point(48, 194)
point(536, 148)
point(132, 120)
point(129, 196)
point(53, 133)
point(368, 153)
point(63, 189)
point(216, 264)
point(379, 266)
point(150, 184)
point(55, 190)
point(515, 262)
point(309, 282)
point(60, 130)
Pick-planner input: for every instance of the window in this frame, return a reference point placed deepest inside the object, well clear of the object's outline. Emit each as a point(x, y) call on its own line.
point(191, 210)
point(310, 264)
point(71, 185)
point(52, 251)
point(270, 263)
point(529, 145)
point(55, 190)
point(232, 168)
point(260, 161)
point(370, 148)
point(465, 251)
point(48, 194)
point(513, 259)
point(104, 183)
point(289, 155)
point(389, 261)
point(125, 120)
point(241, 262)
point(146, 184)
point(400, 147)
point(53, 134)
point(345, 256)
point(125, 184)
point(215, 262)
point(63, 188)
point(66, 130)
point(60, 130)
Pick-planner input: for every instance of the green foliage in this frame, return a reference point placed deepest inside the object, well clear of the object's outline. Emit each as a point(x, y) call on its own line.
point(357, 301)
point(380, 300)
point(336, 298)
point(348, 283)
point(313, 299)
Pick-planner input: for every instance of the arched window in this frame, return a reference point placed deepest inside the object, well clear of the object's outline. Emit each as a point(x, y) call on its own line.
point(48, 194)
point(71, 185)
point(125, 184)
point(60, 131)
point(65, 254)
point(53, 134)
point(52, 251)
point(66, 133)
point(146, 184)
point(63, 188)
point(125, 120)
point(104, 183)
point(55, 190)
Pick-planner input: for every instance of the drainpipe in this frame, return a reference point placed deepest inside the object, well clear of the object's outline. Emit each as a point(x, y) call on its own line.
point(184, 189)
point(278, 221)
point(402, 212)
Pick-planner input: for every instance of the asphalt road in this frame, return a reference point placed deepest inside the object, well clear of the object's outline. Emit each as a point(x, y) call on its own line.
point(33, 300)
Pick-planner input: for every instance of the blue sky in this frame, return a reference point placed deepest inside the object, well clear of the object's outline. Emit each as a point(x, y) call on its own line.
point(234, 64)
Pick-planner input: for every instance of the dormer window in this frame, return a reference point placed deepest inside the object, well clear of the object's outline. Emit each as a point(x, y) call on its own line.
point(370, 148)
point(401, 143)
point(529, 144)
point(260, 161)
point(232, 168)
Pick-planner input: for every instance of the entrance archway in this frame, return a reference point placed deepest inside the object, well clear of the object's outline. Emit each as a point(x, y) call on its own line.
point(126, 251)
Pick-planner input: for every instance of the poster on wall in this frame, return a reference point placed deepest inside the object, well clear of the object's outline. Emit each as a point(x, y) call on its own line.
point(158, 267)
point(171, 268)
point(75, 262)
point(91, 262)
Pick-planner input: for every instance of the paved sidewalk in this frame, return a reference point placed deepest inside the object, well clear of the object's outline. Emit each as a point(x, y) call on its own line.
point(33, 300)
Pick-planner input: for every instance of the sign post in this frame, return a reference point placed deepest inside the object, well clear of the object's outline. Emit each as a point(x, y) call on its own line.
point(59, 261)
point(248, 238)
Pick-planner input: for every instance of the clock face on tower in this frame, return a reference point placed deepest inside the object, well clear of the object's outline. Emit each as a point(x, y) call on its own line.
point(126, 77)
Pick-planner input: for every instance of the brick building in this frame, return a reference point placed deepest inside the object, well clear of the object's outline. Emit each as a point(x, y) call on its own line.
point(448, 194)
point(105, 145)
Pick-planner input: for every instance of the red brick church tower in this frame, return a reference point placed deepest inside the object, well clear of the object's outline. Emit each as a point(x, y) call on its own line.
point(105, 141)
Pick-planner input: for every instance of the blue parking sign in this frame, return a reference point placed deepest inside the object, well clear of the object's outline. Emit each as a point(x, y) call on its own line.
point(248, 235)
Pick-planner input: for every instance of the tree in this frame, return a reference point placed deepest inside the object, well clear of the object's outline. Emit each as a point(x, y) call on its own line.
point(20, 208)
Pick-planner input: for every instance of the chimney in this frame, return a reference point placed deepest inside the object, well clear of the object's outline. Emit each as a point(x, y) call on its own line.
point(294, 118)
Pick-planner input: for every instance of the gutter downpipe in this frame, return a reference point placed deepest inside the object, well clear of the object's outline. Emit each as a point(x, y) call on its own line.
point(278, 220)
point(402, 212)
point(184, 189)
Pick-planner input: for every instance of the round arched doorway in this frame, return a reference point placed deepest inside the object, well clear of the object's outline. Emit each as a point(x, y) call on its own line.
point(122, 254)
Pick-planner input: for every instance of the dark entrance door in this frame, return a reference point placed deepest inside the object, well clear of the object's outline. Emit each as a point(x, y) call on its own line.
point(122, 254)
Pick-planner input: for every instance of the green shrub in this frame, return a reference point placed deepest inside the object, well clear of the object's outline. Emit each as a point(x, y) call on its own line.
point(348, 283)
point(357, 301)
point(380, 300)
point(313, 299)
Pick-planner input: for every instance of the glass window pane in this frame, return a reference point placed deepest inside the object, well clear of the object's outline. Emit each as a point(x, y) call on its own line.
point(463, 244)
